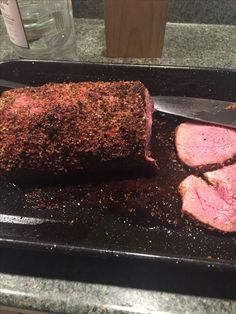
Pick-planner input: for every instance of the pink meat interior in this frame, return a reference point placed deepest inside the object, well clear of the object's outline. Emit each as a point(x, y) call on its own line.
point(149, 112)
point(213, 204)
point(200, 144)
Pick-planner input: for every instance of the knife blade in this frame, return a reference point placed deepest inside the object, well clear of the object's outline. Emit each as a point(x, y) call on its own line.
point(10, 84)
point(198, 109)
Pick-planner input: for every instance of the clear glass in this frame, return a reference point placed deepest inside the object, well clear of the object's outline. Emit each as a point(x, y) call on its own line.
point(49, 29)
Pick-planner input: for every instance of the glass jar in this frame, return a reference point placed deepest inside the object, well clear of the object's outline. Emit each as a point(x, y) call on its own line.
point(42, 29)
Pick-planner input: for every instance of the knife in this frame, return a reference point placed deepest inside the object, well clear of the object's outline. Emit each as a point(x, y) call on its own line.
point(203, 110)
point(198, 109)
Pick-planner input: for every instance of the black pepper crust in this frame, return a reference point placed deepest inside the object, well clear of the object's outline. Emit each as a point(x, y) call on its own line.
point(66, 128)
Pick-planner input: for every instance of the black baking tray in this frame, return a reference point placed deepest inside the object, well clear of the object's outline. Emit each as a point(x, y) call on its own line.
point(77, 219)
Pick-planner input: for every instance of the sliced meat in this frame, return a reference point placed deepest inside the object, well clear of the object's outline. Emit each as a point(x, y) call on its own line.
point(200, 144)
point(213, 204)
point(225, 176)
point(76, 127)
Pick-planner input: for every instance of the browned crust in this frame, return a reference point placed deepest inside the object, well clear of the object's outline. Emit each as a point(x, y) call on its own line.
point(80, 126)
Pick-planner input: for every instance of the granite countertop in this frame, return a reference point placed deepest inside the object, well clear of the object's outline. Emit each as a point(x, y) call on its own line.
point(202, 45)
point(185, 45)
point(60, 296)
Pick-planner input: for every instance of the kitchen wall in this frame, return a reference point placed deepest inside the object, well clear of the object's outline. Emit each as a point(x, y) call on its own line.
point(184, 11)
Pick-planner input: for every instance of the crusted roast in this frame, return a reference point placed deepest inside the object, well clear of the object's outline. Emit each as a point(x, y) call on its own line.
point(59, 129)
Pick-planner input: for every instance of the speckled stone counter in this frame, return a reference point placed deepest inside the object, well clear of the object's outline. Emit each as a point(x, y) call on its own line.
point(74, 297)
point(185, 45)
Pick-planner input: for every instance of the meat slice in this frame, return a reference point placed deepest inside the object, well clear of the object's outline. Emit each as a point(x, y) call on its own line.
point(225, 176)
point(213, 204)
point(75, 128)
point(200, 144)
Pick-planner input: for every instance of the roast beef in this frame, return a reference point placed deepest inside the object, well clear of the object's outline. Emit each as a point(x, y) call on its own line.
point(75, 128)
point(214, 202)
point(225, 176)
point(200, 144)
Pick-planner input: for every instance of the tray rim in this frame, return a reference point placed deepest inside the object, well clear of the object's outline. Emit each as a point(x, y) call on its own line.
point(227, 265)
point(117, 64)
point(108, 253)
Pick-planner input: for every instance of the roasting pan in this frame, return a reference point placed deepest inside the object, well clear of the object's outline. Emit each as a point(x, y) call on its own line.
point(75, 218)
